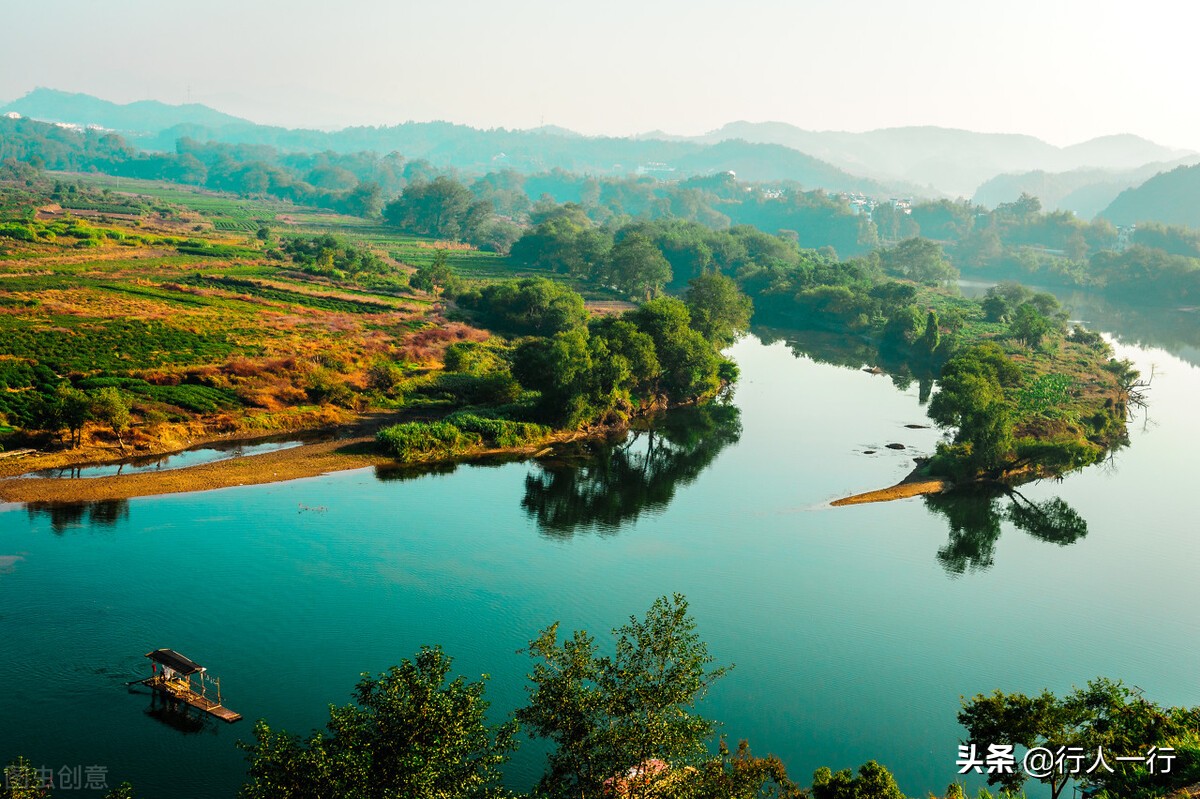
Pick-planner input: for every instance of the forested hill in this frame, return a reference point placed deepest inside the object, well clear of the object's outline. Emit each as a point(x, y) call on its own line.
point(1083, 192)
point(159, 127)
point(1172, 198)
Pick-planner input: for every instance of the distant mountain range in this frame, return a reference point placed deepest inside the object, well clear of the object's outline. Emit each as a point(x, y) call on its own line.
point(1172, 198)
point(158, 126)
point(926, 162)
point(955, 162)
point(1085, 192)
point(141, 117)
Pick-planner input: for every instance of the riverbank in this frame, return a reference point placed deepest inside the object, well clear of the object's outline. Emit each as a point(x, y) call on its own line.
point(344, 447)
point(350, 447)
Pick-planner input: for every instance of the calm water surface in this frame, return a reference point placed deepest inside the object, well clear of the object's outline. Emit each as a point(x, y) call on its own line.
point(854, 631)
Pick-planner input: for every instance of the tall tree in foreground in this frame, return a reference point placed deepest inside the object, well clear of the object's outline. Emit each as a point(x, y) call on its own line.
point(627, 722)
point(410, 734)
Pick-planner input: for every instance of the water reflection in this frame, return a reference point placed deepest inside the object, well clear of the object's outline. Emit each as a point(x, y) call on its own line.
point(975, 524)
point(176, 715)
point(851, 351)
point(175, 460)
point(627, 478)
point(69, 515)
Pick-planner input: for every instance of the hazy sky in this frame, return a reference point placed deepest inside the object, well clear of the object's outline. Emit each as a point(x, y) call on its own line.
point(1064, 71)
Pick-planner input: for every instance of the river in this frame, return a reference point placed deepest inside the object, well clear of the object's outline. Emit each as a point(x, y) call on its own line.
point(853, 631)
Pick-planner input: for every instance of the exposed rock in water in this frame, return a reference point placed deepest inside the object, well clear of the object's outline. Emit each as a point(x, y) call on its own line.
point(917, 426)
point(894, 446)
point(868, 452)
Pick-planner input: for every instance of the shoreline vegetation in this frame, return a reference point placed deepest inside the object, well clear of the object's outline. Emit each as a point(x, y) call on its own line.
point(146, 321)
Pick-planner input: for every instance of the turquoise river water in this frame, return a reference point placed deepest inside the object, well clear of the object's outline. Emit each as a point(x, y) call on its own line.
point(853, 631)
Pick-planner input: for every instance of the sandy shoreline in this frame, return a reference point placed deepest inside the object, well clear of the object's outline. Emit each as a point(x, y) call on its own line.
point(902, 490)
point(306, 460)
point(349, 447)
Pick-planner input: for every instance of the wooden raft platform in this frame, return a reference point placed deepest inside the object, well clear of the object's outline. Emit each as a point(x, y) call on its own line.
point(180, 691)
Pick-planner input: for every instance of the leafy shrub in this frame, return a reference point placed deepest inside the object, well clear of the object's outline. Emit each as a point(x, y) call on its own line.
point(471, 356)
point(18, 232)
point(325, 385)
point(498, 388)
point(413, 441)
point(383, 375)
point(498, 432)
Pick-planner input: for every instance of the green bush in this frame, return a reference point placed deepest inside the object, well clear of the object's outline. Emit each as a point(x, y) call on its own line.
point(498, 388)
point(17, 231)
point(327, 386)
point(414, 441)
point(498, 432)
point(473, 357)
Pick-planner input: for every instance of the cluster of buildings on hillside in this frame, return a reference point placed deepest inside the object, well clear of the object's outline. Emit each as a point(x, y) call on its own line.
point(865, 205)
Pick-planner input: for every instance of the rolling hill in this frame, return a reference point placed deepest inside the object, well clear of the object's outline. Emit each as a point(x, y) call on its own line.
point(952, 161)
point(1085, 192)
point(1172, 198)
point(143, 116)
point(158, 126)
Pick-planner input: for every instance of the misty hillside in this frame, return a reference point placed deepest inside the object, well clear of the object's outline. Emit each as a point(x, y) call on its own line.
point(912, 161)
point(953, 161)
point(157, 126)
point(143, 116)
point(1085, 192)
point(1172, 198)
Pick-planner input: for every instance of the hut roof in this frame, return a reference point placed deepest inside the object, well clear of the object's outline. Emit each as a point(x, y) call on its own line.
point(175, 661)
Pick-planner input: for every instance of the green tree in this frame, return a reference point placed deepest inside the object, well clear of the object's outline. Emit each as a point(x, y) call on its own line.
point(410, 734)
point(608, 714)
point(1104, 714)
point(21, 780)
point(560, 369)
point(440, 207)
point(637, 267)
point(737, 775)
point(690, 366)
point(365, 199)
point(931, 339)
point(75, 410)
point(718, 309)
point(566, 242)
point(971, 398)
point(1029, 325)
point(530, 306)
point(873, 781)
point(919, 260)
point(111, 407)
point(434, 275)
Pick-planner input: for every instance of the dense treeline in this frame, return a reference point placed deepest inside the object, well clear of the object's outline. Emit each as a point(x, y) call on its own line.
point(323, 180)
point(878, 295)
point(567, 369)
point(1015, 240)
point(485, 210)
point(1018, 241)
point(1051, 413)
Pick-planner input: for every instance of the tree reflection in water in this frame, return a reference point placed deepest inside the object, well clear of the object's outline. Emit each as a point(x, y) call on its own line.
point(625, 479)
point(67, 515)
point(975, 524)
